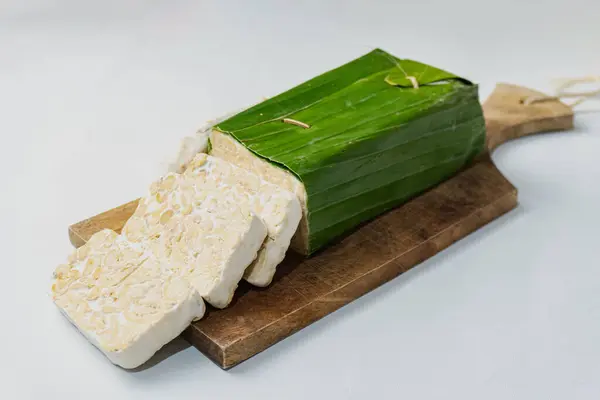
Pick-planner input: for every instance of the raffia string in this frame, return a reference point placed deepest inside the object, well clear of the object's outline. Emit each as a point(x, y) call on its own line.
point(295, 122)
point(413, 80)
point(562, 93)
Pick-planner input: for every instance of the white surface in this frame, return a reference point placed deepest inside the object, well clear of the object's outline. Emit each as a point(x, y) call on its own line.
point(511, 312)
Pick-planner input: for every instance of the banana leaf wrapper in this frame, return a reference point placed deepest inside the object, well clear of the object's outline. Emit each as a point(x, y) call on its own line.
point(358, 140)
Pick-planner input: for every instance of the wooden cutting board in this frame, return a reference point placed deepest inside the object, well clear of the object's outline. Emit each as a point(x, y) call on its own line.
point(305, 290)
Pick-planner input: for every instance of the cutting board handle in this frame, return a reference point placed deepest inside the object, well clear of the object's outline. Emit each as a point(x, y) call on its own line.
point(508, 116)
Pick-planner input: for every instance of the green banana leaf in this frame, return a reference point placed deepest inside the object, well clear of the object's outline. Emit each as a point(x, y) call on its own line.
point(374, 139)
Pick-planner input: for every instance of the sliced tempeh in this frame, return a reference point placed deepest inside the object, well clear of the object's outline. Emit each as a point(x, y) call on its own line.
point(214, 245)
point(278, 208)
point(132, 293)
point(226, 148)
point(220, 235)
point(124, 300)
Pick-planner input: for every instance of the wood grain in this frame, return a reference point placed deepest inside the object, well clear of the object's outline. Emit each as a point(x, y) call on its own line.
point(305, 290)
point(114, 219)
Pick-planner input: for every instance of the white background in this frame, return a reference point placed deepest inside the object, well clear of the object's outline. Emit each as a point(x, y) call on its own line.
point(95, 96)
